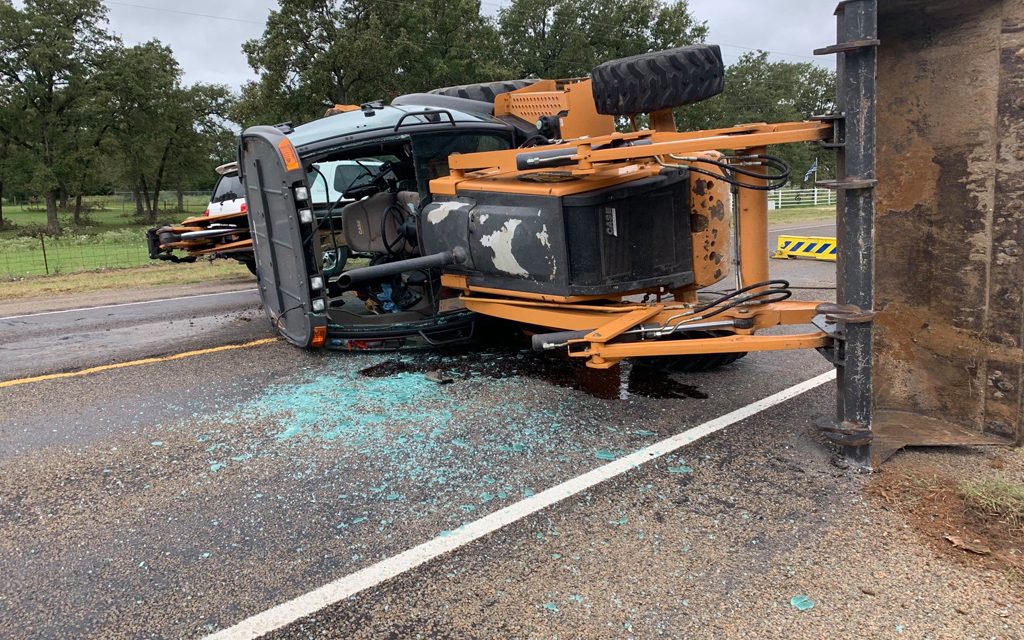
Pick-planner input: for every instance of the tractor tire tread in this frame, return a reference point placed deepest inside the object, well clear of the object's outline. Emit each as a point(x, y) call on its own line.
point(658, 80)
point(483, 91)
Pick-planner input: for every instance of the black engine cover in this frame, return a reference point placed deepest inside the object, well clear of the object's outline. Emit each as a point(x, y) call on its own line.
point(631, 236)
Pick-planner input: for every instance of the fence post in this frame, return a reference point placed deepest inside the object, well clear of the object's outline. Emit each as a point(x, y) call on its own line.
point(42, 243)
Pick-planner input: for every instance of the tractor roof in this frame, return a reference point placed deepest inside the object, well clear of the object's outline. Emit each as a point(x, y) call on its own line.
point(384, 120)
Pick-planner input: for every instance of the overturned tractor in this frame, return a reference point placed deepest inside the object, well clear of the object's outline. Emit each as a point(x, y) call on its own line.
point(534, 209)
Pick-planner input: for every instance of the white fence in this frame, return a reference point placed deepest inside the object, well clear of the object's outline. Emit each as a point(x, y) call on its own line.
point(800, 198)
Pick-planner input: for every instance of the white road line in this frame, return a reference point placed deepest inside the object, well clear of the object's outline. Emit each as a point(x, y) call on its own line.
point(336, 591)
point(127, 304)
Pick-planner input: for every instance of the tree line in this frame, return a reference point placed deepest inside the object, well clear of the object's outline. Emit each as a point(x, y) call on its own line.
point(80, 112)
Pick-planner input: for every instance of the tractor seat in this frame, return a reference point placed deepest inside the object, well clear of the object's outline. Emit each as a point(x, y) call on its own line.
point(365, 219)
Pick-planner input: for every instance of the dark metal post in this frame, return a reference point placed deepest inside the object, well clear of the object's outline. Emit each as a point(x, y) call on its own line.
point(42, 243)
point(856, 50)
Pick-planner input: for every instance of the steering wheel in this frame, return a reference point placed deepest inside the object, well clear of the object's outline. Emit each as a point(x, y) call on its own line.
point(376, 184)
point(397, 246)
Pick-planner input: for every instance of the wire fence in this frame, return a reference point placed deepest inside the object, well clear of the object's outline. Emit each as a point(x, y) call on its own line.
point(191, 201)
point(47, 255)
point(124, 202)
point(110, 234)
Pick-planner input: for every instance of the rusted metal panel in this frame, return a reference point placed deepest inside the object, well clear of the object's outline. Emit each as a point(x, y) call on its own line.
point(893, 430)
point(710, 206)
point(949, 227)
point(1005, 322)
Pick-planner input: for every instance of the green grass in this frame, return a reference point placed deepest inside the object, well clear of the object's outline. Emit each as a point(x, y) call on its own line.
point(25, 256)
point(109, 214)
point(151, 275)
point(995, 498)
point(804, 214)
point(111, 237)
point(21, 221)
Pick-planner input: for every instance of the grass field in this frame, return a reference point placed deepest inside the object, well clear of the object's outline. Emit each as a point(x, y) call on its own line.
point(151, 275)
point(33, 256)
point(109, 238)
point(114, 214)
point(808, 214)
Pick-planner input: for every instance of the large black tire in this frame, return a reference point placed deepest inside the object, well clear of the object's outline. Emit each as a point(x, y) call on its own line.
point(693, 363)
point(483, 91)
point(658, 80)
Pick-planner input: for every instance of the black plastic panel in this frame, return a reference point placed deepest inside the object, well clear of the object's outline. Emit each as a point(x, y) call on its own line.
point(632, 236)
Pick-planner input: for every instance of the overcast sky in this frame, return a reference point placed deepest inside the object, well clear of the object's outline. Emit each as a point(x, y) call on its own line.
point(207, 35)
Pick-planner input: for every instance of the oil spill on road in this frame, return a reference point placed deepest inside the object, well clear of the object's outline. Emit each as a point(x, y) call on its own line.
point(620, 382)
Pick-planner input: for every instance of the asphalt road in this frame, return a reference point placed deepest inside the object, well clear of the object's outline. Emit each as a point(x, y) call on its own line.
point(173, 499)
point(39, 340)
point(178, 498)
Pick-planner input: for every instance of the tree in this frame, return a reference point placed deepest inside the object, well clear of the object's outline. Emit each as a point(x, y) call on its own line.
point(568, 38)
point(48, 59)
point(316, 53)
point(758, 90)
point(198, 139)
point(86, 145)
point(139, 82)
point(160, 127)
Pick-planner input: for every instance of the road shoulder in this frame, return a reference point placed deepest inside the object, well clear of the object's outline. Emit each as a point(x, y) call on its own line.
point(39, 304)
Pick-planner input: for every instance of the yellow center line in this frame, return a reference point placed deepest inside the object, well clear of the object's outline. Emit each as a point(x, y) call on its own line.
point(134, 363)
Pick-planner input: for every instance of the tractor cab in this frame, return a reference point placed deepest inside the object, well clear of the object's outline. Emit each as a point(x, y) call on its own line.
point(345, 193)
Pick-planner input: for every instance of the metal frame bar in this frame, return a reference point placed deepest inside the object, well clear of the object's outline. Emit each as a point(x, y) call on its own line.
point(605, 355)
point(598, 150)
point(856, 50)
point(604, 324)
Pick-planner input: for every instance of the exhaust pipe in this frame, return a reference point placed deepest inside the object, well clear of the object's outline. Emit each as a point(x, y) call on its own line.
point(457, 255)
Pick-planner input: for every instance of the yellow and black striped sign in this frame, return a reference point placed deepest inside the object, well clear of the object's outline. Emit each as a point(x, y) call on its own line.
point(817, 247)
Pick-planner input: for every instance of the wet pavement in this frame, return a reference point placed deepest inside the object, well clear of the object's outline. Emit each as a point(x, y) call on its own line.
point(180, 502)
point(175, 499)
point(98, 329)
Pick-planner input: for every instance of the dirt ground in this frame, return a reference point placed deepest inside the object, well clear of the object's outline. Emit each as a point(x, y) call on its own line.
point(951, 498)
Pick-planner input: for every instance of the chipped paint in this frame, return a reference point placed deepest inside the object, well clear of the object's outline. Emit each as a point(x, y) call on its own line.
point(500, 242)
point(542, 235)
point(440, 211)
point(710, 200)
